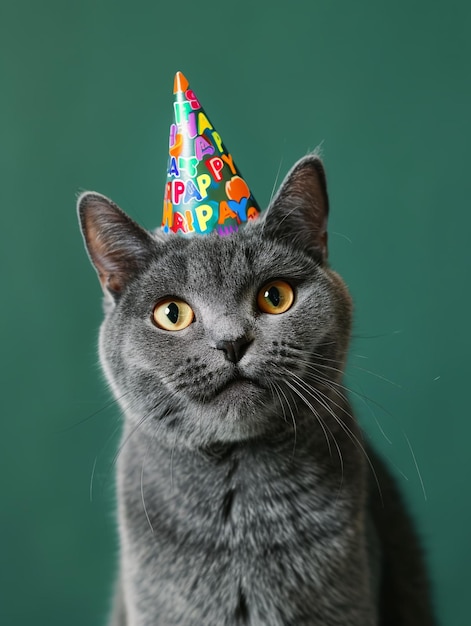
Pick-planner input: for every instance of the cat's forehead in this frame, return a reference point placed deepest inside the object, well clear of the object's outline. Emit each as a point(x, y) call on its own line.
point(229, 263)
point(219, 261)
point(202, 262)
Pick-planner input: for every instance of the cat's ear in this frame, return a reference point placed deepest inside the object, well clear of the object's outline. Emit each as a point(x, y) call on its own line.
point(117, 246)
point(299, 210)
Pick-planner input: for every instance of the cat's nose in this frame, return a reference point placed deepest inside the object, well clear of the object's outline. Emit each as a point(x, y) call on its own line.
point(234, 350)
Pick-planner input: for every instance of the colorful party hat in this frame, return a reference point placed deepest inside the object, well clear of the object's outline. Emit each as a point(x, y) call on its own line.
point(205, 191)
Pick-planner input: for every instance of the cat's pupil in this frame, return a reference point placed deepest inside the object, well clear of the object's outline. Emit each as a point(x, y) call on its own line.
point(273, 294)
point(172, 312)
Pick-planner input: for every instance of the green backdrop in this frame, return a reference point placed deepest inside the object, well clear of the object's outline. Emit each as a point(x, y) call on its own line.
point(86, 92)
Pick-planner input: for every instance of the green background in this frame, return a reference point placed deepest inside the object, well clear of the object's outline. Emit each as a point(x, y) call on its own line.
point(85, 103)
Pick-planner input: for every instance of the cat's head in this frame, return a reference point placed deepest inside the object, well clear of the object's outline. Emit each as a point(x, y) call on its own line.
point(214, 339)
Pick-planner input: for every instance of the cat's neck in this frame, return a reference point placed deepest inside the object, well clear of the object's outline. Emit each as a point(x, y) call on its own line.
point(239, 481)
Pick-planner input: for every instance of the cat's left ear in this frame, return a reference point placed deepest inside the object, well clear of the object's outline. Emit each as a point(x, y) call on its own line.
point(118, 247)
point(300, 209)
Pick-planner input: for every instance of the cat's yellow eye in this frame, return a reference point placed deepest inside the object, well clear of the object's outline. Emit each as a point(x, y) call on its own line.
point(173, 314)
point(275, 297)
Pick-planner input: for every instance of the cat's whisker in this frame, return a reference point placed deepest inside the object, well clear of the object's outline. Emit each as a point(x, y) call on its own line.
point(330, 368)
point(125, 441)
point(172, 454)
point(275, 184)
point(146, 417)
point(107, 405)
point(293, 419)
point(314, 412)
point(274, 392)
point(309, 365)
point(376, 375)
point(92, 478)
point(317, 393)
point(415, 463)
point(339, 452)
point(357, 367)
point(367, 401)
point(324, 401)
point(142, 483)
point(134, 430)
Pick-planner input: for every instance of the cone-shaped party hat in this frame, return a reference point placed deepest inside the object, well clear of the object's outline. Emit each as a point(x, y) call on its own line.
point(205, 191)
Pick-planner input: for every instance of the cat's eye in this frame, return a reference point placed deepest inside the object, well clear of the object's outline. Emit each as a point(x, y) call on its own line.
point(275, 297)
point(173, 314)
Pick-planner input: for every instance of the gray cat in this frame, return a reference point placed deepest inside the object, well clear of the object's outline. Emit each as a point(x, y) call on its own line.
point(246, 493)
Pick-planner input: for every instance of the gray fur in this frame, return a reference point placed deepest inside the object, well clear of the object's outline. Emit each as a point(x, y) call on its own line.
point(246, 495)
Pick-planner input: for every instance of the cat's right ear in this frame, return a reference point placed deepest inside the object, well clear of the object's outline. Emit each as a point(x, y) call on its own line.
point(117, 246)
point(300, 209)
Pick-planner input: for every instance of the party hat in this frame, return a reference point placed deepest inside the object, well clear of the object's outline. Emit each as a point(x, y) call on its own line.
point(205, 191)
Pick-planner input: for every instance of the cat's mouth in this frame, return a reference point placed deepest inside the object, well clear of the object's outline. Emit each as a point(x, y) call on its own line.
point(237, 383)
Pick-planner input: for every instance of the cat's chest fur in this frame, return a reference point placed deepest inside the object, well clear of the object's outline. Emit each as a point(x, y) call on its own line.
point(241, 535)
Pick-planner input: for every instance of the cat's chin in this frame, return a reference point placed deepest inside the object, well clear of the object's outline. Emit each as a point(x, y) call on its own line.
point(237, 389)
point(240, 410)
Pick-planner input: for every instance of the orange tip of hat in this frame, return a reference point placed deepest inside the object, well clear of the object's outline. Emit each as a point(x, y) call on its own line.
point(180, 83)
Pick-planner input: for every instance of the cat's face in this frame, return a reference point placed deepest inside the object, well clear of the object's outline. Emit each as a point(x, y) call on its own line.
point(215, 339)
